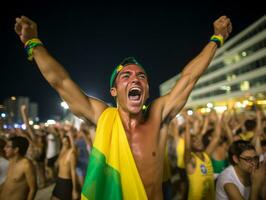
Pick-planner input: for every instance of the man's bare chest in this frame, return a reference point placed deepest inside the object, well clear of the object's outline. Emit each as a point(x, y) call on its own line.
point(15, 173)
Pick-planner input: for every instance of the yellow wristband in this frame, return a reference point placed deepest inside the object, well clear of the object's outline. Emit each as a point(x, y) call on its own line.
point(29, 45)
point(218, 39)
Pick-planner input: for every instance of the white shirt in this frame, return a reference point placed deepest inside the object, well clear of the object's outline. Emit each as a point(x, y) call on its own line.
point(229, 176)
point(3, 169)
point(51, 146)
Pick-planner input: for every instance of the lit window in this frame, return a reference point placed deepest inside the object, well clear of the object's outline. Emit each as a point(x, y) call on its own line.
point(244, 53)
point(244, 86)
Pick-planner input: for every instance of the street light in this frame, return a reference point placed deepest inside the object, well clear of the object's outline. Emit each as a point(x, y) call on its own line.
point(65, 108)
point(64, 105)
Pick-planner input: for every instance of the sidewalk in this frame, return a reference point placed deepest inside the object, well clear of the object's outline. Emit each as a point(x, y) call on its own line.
point(45, 193)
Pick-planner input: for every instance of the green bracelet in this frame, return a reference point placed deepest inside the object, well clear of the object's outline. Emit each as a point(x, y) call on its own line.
point(29, 45)
point(218, 39)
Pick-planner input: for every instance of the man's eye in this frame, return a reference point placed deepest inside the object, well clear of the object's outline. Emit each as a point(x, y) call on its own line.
point(125, 76)
point(142, 76)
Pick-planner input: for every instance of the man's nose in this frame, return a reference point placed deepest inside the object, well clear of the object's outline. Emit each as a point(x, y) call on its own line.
point(135, 79)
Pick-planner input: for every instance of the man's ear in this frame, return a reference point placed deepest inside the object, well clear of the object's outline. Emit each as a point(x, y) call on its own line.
point(113, 92)
point(235, 159)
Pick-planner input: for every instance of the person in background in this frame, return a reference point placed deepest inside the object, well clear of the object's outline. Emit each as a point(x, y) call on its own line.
point(244, 178)
point(198, 163)
point(3, 163)
point(66, 185)
point(38, 147)
point(20, 183)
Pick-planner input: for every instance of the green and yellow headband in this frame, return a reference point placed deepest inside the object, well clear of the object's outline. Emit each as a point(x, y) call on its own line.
point(124, 63)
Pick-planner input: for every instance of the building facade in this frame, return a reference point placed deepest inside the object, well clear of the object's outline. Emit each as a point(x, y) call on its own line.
point(236, 76)
point(12, 107)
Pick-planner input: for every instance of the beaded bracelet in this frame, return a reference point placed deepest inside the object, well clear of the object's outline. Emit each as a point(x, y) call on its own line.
point(218, 39)
point(29, 45)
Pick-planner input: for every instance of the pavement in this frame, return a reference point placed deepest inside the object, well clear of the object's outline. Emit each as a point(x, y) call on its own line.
point(45, 193)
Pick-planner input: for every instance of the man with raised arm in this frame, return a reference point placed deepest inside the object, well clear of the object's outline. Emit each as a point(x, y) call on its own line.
point(126, 161)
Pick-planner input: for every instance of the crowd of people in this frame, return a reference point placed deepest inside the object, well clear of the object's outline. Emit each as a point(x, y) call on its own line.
point(33, 159)
point(138, 152)
point(218, 156)
point(207, 156)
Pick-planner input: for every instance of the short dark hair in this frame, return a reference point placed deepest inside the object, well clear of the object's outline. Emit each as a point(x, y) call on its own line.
point(263, 143)
point(250, 124)
point(21, 143)
point(237, 148)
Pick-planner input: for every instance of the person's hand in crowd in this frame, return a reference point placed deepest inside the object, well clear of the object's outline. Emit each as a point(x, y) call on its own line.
point(258, 175)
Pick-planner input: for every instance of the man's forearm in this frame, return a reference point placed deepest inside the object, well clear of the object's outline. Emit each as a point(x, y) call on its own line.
point(254, 192)
point(31, 194)
point(52, 70)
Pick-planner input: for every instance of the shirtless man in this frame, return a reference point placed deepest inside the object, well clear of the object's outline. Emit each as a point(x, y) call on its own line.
point(130, 89)
point(20, 182)
point(37, 147)
point(66, 182)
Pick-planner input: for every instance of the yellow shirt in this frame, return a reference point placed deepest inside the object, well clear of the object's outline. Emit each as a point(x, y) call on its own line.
point(201, 182)
point(166, 167)
point(247, 136)
point(180, 150)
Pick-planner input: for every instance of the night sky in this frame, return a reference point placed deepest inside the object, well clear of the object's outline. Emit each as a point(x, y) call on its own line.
point(91, 39)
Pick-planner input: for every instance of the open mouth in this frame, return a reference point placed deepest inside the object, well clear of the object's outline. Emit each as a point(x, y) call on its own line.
point(134, 94)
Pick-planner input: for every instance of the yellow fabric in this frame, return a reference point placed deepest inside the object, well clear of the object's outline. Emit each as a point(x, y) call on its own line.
point(201, 182)
point(166, 167)
point(111, 140)
point(247, 136)
point(180, 150)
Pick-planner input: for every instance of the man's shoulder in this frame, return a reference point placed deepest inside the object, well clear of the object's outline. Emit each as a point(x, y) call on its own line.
point(229, 170)
point(3, 161)
point(227, 176)
point(26, 163)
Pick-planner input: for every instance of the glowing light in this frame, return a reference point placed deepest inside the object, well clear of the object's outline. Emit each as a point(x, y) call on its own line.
point(247, 102)
point(36, 126)
point(3, 115)
point(64, 105)
point(261, 102)
point(220, 109)
point(190, 112)
point(244, 86)
point(244, 53)
point(251, 98)
point(239, 105)
point(23, 126)
point(209, 105)
point(31, 122)
point(51, 122)
point(205, 110)
point(13, 98)
point(16, 126)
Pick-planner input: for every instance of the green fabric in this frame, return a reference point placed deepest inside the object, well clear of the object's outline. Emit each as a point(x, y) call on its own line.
point(104, 181)
point(125, 62)
point(219, 165)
